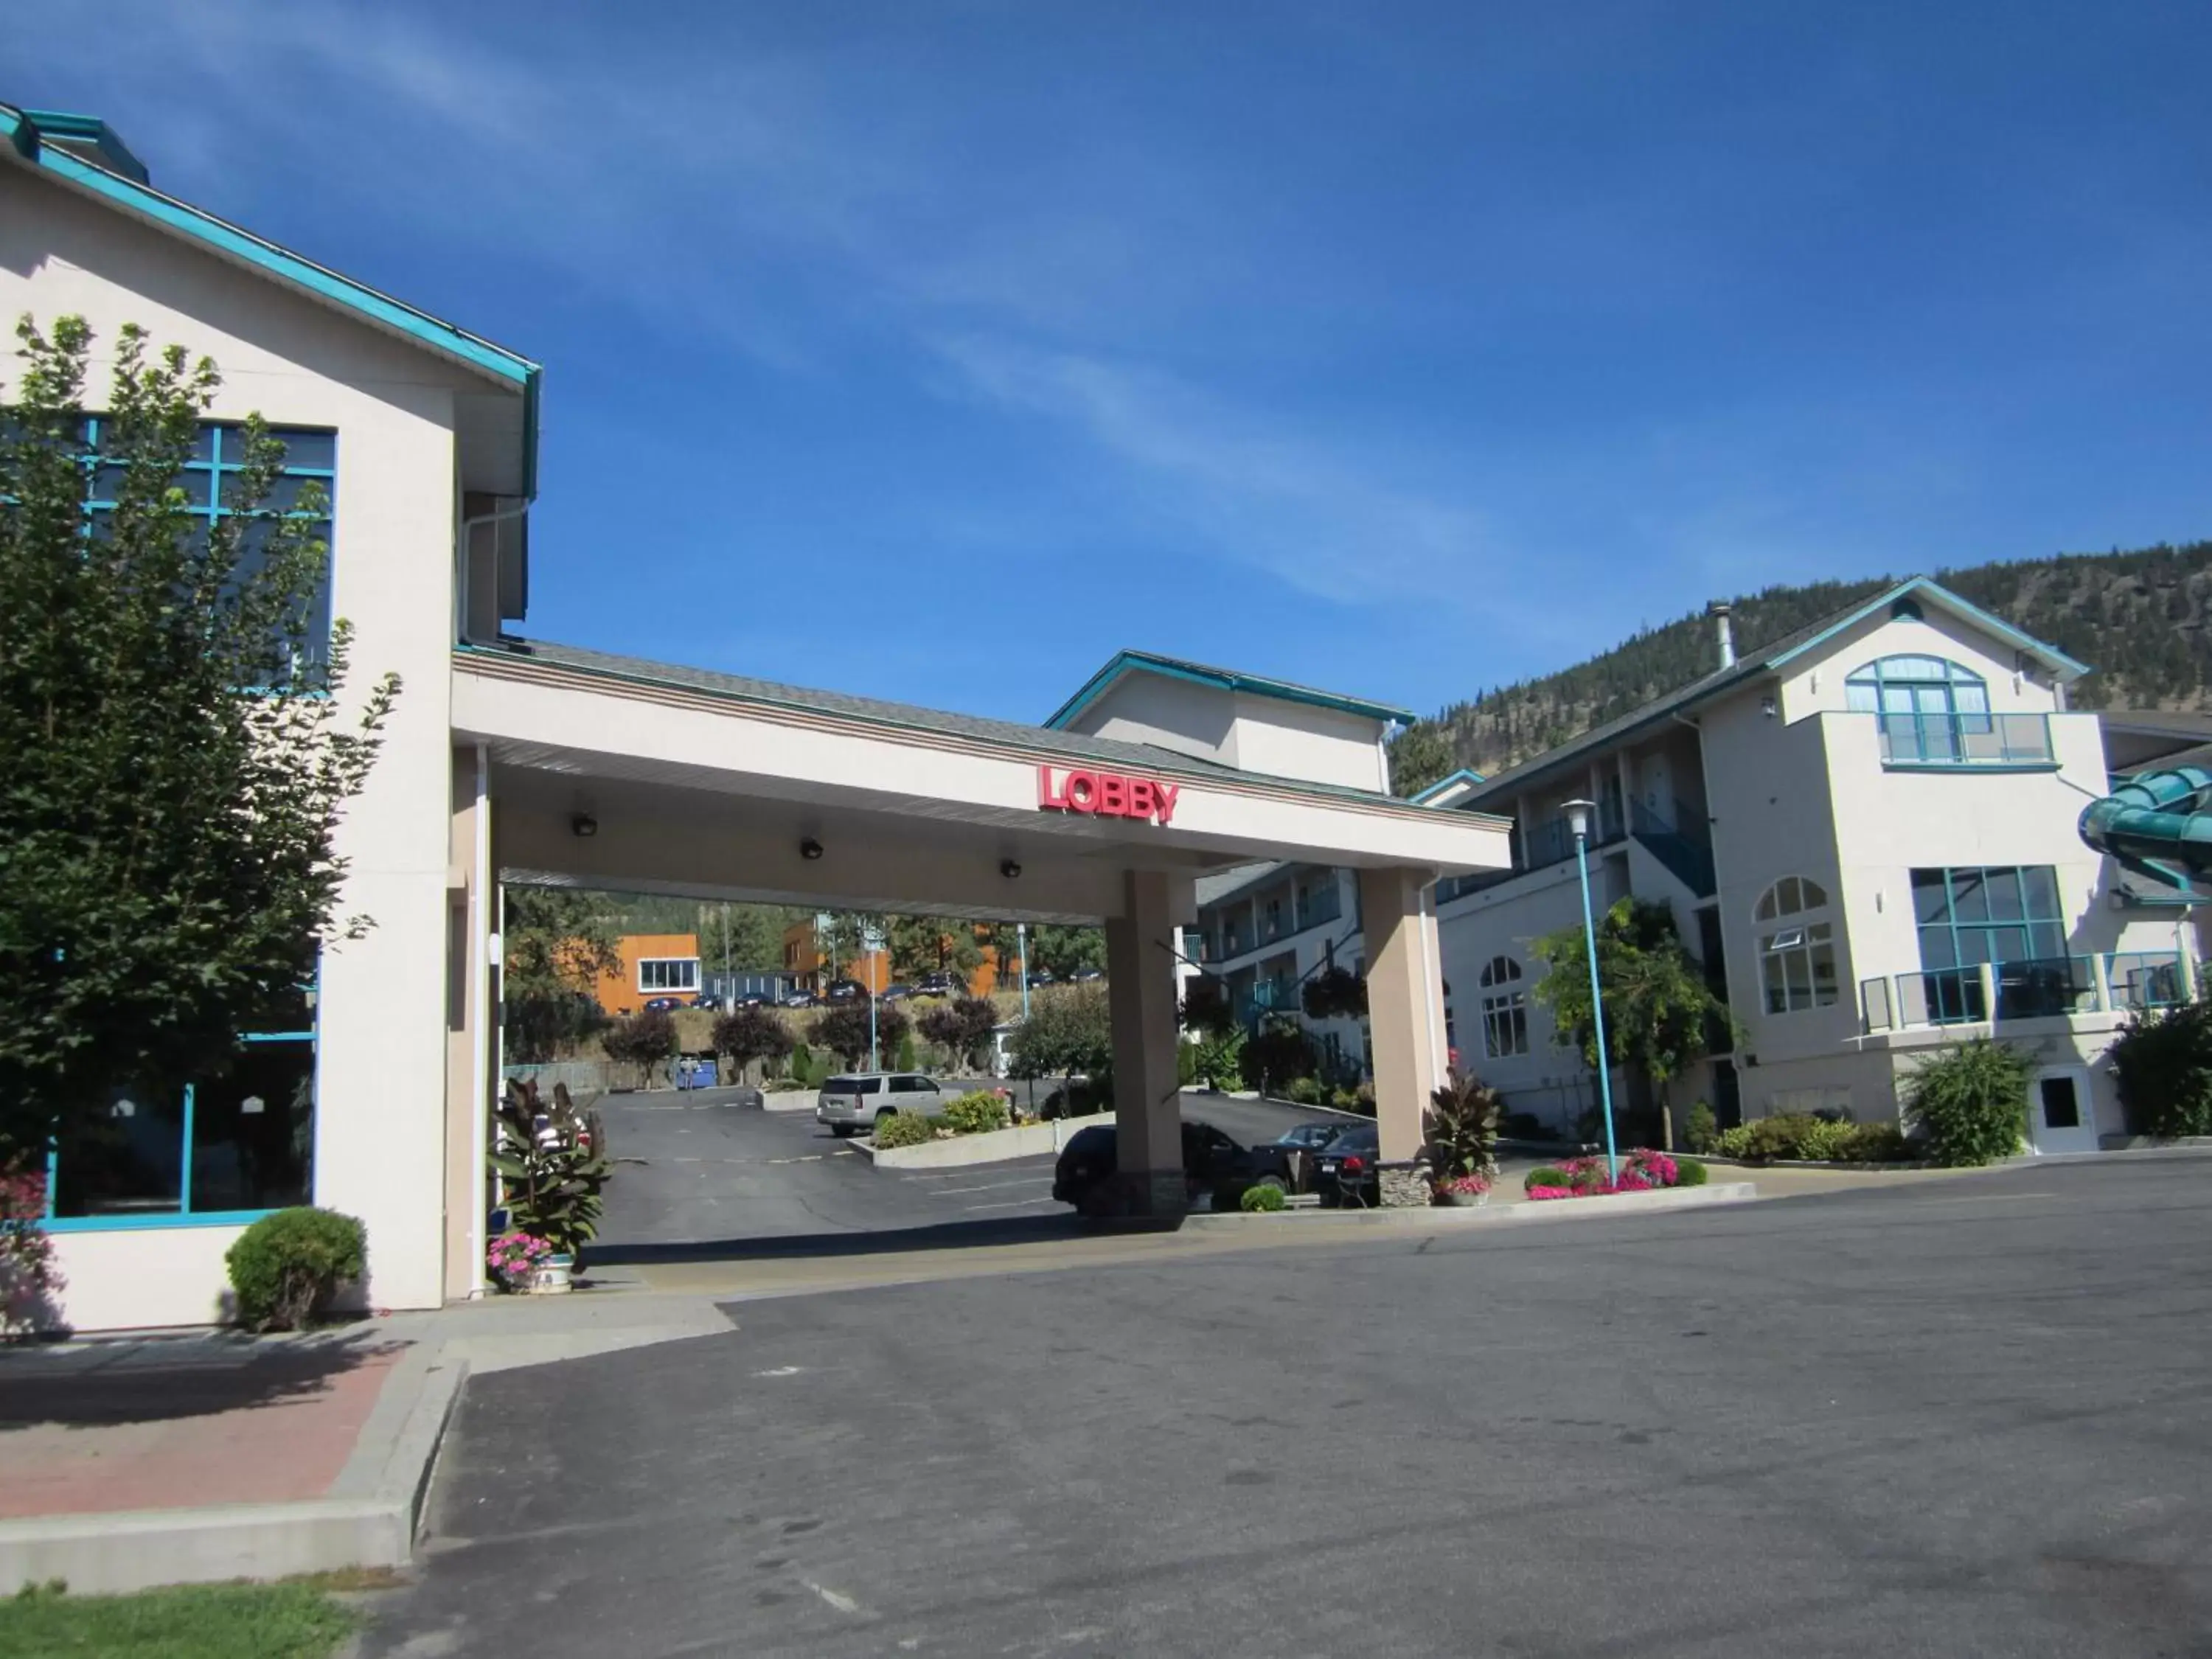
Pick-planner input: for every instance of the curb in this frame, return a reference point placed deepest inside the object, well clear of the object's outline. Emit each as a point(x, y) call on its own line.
point(371, 1519)
point(1672, 1198)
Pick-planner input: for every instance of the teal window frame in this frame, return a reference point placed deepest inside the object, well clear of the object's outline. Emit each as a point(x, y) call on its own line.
point(183, 1215)
point(1929, 703)
point(203, 474)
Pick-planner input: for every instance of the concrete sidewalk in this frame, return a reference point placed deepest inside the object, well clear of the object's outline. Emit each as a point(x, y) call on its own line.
point(198, 1457)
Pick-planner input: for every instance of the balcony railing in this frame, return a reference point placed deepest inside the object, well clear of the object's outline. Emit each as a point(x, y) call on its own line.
point(1317, 905)
point(1966, 740)
point(2045, 987)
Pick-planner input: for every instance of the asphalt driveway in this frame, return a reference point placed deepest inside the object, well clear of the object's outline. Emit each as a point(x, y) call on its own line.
point(1965, 1417)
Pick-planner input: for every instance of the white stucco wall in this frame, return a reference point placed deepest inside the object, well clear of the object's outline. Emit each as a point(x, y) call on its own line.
point(380, 1081)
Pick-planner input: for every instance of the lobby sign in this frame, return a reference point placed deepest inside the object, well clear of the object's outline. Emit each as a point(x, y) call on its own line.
point(1106, 794)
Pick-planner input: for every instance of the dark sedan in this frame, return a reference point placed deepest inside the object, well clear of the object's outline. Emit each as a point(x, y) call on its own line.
point(1348, 1172)
point(1212, 1162)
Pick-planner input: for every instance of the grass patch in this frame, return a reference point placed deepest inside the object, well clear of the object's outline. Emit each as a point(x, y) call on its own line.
point(187, 1621)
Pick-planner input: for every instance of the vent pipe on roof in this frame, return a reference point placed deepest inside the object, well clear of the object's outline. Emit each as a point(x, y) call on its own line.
point(1719, 612)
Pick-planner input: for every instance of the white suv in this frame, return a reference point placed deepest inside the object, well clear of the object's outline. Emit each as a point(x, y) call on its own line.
point(856, 1101)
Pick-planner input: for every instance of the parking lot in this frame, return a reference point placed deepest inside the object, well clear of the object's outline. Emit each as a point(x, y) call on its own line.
point(695, 1170)
point(1962, 1418)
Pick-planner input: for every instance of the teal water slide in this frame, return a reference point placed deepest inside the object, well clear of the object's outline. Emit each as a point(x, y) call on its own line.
point(2158, 824)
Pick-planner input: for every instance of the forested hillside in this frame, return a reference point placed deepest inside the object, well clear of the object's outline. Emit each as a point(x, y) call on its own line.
point(2138, 618)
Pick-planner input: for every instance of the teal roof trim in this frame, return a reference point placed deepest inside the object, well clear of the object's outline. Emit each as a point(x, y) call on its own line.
point(1222, 679)
point(22, 129)
point(90, 130)
point(1466, 777)
point(2063, 665)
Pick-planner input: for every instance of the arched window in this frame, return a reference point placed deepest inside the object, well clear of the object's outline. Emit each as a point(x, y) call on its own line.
point(1797, 958)
point(1504, 1009)
point(1928, 707)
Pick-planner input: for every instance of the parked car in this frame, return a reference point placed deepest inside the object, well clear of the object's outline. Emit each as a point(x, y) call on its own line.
point(712, 1004)
point(1311, 1137)
point(844, 990)
point(1348, 1172)
point(801, 999)
point(1088, 976)
point(1042, 977)
point(1212, 1162)
point(939, 985)
point(854, 1101)
point(894, 992)
point(751, 1000)
point(663, 1005)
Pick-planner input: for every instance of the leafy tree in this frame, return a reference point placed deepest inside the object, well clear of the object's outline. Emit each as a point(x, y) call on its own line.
point(921, 945)
point(1001, 941)
point(1068, 1031)
point(177, 741)
point(1969, 1100)
point(1276, 1054)
point(844, 1029)
point(963, 1025)
point(1216, 1058)
point(557, 944)
point(1065, 952)
point(1657, 1006)
point(645, 1040)
point(1420, 754)
point(746, 1034)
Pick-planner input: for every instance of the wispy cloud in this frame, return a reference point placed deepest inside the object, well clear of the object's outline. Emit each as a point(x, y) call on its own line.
point(1300, 510)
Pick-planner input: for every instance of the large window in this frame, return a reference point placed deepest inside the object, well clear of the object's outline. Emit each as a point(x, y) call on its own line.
point(668, 973)
point(217, 1150)
point(1929, 706)
point(1504, 1009)
point(1797, 958)
point(2001, 913)
point(209, 482)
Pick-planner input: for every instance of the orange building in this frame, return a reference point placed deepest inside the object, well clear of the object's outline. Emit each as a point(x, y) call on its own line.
point(803, 961)
point(652, 965)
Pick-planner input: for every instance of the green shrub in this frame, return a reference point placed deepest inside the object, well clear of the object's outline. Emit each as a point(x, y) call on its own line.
point(1688, 1172)
point(2162, 1067)
point(1701, 1130)
point(1305, 1091)
point(905, 1059)
point(1218, 1062)
point(1878, 1142)
point(1549, 1174)
point(286, 1266)
point(802, 1066)
point(1969, 1100)
point(1266, 1196)
point(976, 1114)
point(905, 1129)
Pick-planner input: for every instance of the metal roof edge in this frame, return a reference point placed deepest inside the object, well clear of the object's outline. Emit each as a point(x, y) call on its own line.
point(1225, 679)
point(181, 218)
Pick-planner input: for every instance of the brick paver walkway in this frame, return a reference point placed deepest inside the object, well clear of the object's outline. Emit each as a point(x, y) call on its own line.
point(182, 1423)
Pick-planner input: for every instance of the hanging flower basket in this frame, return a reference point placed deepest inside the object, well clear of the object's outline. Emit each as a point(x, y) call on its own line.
point(1335, 993)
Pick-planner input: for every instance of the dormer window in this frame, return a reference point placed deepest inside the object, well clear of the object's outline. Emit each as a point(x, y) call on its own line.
point(1929, 706)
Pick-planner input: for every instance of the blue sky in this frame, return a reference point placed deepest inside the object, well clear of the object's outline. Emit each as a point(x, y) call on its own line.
point(937, 350)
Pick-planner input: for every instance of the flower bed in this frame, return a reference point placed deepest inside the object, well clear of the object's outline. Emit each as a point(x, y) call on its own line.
point(1642, 1170)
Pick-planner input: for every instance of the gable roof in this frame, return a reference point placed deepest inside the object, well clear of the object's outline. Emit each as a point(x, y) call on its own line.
point(1448, 789)
point(1224, 679)
point(62, 145)
point(1769, 658)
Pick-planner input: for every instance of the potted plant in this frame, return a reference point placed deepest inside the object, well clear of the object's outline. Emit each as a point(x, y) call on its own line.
point(1463, 1138)
point(1464, 1191)
point(554, 1167)
point(516, 1260)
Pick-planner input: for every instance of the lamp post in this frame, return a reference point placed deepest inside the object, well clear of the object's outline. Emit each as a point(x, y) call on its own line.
point(1578, 820)
point(1022, 936)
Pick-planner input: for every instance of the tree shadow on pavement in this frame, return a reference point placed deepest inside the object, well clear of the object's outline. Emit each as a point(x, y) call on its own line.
point(159, 1380)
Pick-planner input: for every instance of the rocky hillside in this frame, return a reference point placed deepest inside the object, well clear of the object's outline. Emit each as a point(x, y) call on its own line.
point(2139, 619)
